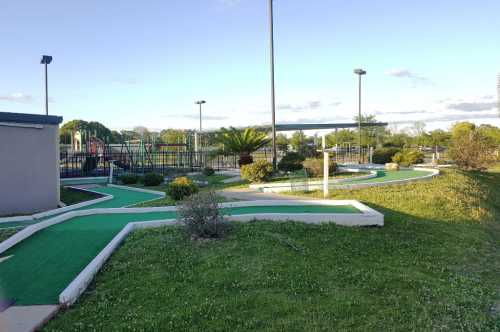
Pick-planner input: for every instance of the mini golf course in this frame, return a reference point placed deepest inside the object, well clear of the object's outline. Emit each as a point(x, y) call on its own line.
point(388, 176)
point(37, 269)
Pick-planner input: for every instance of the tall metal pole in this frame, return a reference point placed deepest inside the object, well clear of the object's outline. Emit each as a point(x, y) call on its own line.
point(46, 92)
point(273, 98)
point(359, 119)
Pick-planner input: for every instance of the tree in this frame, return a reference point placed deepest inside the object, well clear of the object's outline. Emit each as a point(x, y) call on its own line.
point(341, 137)
point(370, 136)
point(282, 142)
point(470, 148)
point(172, 136)
point(242, 142)
point(89, 129)
point(302, 144)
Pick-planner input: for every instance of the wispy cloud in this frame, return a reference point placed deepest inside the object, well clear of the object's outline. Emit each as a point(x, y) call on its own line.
point(205, 117)
point(309, 105)
point(473, 106)
point(407, 74)
point(17, 97)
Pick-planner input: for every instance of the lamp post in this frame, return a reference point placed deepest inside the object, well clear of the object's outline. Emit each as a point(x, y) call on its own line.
point(359, 72)
point(200, 102)
point(273, 98)
point(46, 59)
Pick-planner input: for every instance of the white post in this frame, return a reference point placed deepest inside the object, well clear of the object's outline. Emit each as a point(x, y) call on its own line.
point(326, 168)
point(111, 166)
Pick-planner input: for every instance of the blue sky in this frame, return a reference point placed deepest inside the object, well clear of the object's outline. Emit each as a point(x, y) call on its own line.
point(128, 63)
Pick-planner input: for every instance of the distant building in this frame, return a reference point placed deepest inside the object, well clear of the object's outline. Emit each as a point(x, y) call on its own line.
point(29, 163)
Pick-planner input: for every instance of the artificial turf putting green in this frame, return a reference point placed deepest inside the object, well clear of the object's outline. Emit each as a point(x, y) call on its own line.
point(45, 263)
point(384, 176)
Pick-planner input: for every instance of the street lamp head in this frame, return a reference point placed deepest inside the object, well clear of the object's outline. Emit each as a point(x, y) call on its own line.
point(46, 59)
point(359, 72)
point(200, 102)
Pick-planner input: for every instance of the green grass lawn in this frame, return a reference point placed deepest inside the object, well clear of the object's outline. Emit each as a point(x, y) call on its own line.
point(6, 233)
point(433, 266)
point(71, 196)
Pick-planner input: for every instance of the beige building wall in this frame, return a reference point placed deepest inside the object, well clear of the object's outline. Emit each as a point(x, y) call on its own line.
point(29, 167)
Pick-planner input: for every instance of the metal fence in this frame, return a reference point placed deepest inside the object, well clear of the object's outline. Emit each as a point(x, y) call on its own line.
point(83, 164)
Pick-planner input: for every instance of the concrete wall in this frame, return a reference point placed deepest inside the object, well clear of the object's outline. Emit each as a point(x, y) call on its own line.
point(29, 168)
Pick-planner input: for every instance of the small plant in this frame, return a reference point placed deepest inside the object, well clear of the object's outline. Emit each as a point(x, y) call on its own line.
point(384, 155)
point(314, 167)
point(257, 172)
point(153, 179)
point(129, 179)
point(408, 157)
point(292, 161)
point(181, 187)
point(208, 171)
point(201, 216)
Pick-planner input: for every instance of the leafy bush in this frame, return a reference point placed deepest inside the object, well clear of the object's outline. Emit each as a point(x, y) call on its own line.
point(208, 171)
point(292, 161)
point(259, 171)
point(201, 215)
point(314, 167)
point(129, 178)
point(181, 187)
point(472, 151)
point(384, 155)
point(153, 179)
point(408, 157)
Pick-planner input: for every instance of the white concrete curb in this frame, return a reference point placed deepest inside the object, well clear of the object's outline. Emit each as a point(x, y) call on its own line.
point(68, 208)
point(147, 191)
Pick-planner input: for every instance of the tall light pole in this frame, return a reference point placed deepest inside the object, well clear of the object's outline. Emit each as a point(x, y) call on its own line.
point(46, 59)
point(200, 102)
point(359, 72)
point(273, 98)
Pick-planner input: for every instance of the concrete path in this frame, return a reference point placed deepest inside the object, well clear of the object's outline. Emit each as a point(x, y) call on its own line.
point(26, 318)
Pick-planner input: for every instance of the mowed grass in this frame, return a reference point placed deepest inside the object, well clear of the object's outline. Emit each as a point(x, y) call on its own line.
point(433, 266)
point(71, 196)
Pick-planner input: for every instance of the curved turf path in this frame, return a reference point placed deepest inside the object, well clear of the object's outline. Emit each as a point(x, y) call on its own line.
point(386, 176)
point(43, 265)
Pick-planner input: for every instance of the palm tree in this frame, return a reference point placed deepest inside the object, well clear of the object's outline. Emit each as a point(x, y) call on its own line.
point(242, 142)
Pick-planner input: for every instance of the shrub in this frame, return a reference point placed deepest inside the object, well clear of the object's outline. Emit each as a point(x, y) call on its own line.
point(181, 187)
point(129, 178)
point(201, 216)
point(259, 171)
point(153, 179)
point(472, 151)
point(208, 171)
point(314, 167)
point(408, 157)
point(384, 155)
point(292, 161)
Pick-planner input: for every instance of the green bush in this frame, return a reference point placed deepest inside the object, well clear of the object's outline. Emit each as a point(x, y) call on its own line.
point(181, 187)
point(384, 155)
point(129, 179)
point(153, 179)
point(292, 161)
point(201, 216)
point(257, 172)
point(314, 167)
point(208, 171)
point(408, 157)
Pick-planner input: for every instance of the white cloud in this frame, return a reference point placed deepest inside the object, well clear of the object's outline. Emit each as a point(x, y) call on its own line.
point(414, 78)
point(17, 97)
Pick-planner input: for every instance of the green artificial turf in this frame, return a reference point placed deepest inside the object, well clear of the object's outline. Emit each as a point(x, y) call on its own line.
point(434, 266)
point(384, 176)
point(292, 209)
